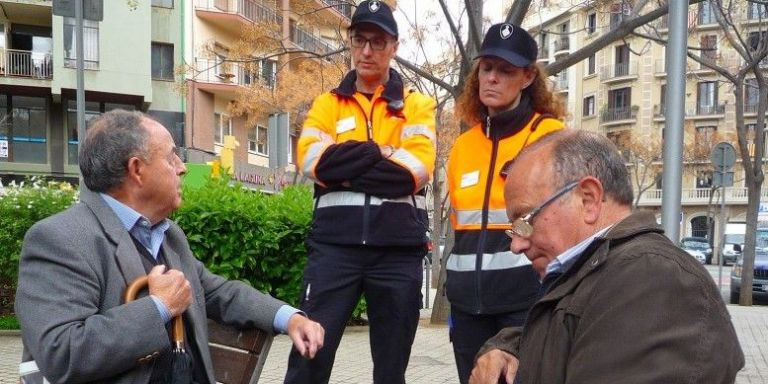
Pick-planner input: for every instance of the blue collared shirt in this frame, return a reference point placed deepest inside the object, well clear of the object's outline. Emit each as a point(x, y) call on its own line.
point(564, 261)
point(152, 236)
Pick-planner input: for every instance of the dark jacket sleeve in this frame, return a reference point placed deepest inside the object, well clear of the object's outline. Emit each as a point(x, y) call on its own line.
point(346, 161)
point(385, 179)
point(507, 340)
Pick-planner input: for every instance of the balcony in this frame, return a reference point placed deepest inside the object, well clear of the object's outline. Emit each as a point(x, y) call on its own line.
point(340, 7)
point(224, 77)
point(618, 72)
point(750, 109)
point(700, 196)
point(707, 110)
point(309, 42)
point(233, 15)
point(659, 111)
point(29, 64)
point(618, 115)
point(562, 46)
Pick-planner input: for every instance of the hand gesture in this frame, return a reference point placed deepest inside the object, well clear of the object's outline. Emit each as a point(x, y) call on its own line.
point(171, 287)
point(306, 334)
point(493, 365)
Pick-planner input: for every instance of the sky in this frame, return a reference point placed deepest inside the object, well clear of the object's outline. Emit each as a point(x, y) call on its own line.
point(410, 11)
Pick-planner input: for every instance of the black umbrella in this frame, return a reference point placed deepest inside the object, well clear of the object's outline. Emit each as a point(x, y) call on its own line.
point(181, 361)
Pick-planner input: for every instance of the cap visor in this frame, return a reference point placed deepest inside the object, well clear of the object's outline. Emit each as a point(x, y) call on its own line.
point(509, 57)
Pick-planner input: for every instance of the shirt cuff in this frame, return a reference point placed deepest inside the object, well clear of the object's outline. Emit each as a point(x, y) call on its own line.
point(164, 312)
point(280, 324)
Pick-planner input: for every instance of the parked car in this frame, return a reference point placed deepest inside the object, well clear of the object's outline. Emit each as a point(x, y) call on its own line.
point(697, 247)
point(759, 279)
point(731, 253)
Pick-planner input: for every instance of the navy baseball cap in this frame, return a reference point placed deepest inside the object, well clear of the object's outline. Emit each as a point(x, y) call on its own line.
point(377, 13)
point(510, 43)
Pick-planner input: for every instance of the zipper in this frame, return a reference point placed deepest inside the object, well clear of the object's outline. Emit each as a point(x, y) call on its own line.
point(484, 219)
point(367, 203)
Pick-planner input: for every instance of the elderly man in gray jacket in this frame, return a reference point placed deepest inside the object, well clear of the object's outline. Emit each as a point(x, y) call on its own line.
point(620, 303)
point(76, 265)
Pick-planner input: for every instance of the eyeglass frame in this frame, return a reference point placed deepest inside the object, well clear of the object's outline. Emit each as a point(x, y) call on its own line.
point(367, 41)
point(525, 221)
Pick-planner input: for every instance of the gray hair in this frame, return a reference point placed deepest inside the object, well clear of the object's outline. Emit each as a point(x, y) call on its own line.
point(579, 153)
point(112, 139)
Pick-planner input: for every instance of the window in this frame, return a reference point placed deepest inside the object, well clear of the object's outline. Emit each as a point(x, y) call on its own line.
point(591, 64)
point(258, 141)
point(757, 11)
point(619, 101)
point(709, 49)
point(162, 3)
point(619, 12)
point(707, 98)
point(268, 69)
point(23, 130)
point(622, 60)
point(705, 139)
point(704, 179)
point(751, 95)
point(162, 61)
point(589, 106)
point(706, 13)
point(90, 43)
point(591, 23)
point(662, 107)
point(222, 127)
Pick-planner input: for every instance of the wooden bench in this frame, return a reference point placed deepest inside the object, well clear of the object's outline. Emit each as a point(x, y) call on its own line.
point(238, 356)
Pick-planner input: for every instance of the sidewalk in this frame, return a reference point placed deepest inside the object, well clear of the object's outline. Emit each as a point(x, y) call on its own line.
point(432, 356)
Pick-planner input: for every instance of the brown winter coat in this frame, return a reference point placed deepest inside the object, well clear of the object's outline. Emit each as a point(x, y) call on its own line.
point(634, 309)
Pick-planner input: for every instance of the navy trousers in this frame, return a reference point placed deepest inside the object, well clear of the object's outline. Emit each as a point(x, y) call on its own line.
point(469, 332)
point(334, 279)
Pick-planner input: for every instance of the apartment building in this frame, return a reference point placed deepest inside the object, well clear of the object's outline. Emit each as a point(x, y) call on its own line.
point(169, 58)
point(216, 77)
point(38, 124)
point(620, 91)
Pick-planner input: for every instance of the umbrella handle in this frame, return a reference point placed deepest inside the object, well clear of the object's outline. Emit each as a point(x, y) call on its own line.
point(134, 288)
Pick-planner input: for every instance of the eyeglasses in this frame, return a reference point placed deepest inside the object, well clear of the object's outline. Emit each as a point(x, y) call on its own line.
point(522, 225)
point(377, 44)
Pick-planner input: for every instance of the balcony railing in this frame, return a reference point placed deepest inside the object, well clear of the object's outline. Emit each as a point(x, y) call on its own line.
point(700, 196)
point(249, 9)
point(561, 83)
point(608, 72)
point(18, 63)
point(341, 6)
point(618, 113)
point(309, 42)
point(756, 12)
point(707, 110)
point(214, 71)
point(659, 110)
point(543, 53)
point(750, 108)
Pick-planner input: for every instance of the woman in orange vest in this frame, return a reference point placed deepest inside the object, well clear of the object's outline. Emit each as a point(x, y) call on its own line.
point(507, 102)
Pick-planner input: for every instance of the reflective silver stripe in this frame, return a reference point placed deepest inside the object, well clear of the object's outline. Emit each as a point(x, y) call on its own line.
point(310, 159)
point(347, 198)
point(317, 133)
point(412, 130)
point(475, 216)
point(415, 165)
point(315, 149)
point(491, 261)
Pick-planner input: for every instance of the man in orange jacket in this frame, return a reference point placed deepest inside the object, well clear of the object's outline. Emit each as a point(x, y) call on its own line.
point(369, 145)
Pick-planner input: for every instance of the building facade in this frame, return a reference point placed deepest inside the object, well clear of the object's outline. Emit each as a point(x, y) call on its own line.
point(38, 122)
point(620, 91)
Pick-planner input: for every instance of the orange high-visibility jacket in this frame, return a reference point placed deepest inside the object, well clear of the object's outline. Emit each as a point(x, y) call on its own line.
point(483, 275)
point(360, 196)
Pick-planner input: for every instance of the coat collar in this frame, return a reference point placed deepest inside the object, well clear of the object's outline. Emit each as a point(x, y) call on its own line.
point(125, 252)
point(509, 122)
point(393, 89)
point(596, 254)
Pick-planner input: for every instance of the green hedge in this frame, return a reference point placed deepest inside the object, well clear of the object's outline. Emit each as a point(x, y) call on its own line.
point(236, 232)
point(21, 206)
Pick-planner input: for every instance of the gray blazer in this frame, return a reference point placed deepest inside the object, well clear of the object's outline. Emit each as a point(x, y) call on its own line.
point(73, 270)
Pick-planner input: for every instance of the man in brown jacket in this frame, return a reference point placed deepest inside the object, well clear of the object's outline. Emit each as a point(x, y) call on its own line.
point(620, 302)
